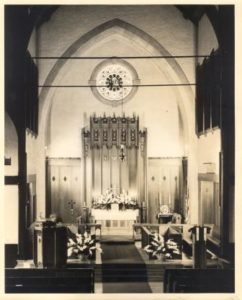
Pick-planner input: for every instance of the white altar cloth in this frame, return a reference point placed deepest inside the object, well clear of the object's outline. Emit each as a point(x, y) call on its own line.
point(103, 214)
point(116, 222)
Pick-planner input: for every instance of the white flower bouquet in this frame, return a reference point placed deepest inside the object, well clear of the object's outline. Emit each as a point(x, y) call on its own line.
point(158, 247)
point(81, 244)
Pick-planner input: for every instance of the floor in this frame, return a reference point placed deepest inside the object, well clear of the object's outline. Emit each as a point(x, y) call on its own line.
point(156, 287)
point(127, 287)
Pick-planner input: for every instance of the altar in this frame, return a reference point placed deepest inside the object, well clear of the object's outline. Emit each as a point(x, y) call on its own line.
point(116, 222)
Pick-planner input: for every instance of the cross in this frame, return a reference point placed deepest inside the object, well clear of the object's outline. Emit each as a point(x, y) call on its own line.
point(71, 203)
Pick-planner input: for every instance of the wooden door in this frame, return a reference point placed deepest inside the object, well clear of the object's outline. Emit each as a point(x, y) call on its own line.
point(64, 188)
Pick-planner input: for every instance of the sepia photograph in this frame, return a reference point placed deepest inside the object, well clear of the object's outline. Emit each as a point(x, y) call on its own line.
point(119, 149)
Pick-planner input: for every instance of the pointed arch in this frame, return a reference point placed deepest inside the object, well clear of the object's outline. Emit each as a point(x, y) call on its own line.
point(94, 33)
point(184, 94)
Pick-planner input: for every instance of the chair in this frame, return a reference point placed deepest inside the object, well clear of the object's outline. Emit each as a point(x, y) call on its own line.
point(176, 218)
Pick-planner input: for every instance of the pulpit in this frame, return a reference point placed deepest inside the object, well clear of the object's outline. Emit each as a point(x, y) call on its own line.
point(50, 244)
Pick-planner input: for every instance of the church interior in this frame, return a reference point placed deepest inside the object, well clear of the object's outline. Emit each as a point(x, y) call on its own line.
point(119, 149)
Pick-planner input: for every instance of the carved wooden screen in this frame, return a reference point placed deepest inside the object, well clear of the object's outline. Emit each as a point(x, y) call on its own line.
point(103, 143)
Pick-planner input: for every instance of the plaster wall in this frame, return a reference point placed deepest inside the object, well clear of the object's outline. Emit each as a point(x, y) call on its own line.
point(156, 106)
point(32, 151)
point(10, 192)
point(10, 147)
point(209, 146)
point(11, 214)
point(164, 23)
point(207, 40)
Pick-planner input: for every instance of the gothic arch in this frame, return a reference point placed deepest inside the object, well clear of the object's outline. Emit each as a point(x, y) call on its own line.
point(127, 29)
point(184, 94)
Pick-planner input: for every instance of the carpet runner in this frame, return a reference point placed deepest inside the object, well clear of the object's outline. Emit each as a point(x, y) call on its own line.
point(123, 269)
point(117, 252)
point(127, 287)
point(117, 239)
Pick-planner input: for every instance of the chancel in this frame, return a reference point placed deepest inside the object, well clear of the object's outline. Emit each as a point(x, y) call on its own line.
point(119, 149)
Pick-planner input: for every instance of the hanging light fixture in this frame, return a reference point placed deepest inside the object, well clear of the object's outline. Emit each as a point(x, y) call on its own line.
point(122, 154)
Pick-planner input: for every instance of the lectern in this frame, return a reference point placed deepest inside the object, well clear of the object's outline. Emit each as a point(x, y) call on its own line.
point(50, 244)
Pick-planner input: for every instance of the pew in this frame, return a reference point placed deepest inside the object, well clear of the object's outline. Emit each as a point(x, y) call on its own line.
point(63, 280)
point(199, 281)
point(146, 232)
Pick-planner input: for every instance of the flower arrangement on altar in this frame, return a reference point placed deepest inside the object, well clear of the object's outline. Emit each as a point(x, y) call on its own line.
point(159, 247)
point(81, 245)
point(123, 200)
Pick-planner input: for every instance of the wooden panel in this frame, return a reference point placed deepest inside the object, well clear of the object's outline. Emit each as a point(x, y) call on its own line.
point(64, 188)
point(75, 182)
point(175, 188)
point(164, 185)
point(207, 202)
point(65, 193)
point(54, 188)
point(153, 189)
